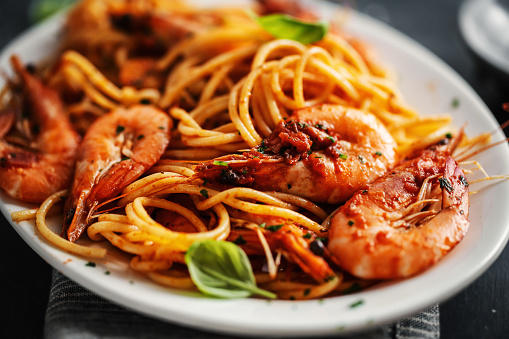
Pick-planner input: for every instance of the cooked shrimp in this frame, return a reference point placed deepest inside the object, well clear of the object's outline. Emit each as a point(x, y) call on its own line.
point(405, 221)
point(117, 149)
point(297, 245)
point(45, 165)
point(324, 154)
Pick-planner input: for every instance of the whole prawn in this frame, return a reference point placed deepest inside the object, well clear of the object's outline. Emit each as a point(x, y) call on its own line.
point(45, 163)
point(324, 153)
point(116, 150)
point(405, 221)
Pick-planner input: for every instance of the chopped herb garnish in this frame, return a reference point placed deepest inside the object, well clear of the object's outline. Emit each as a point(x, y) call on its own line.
point(274, 228)
point(378, 153)
point(318, 157)
point(205, 182)
point(464, 181)
point(455, 102)
point(107, 272)
point(141, 136)
point(161, 127)
point(362, 159)
point(262, 148)
point(307, 291)
point(364, 191)
point(262, 225)
point(350, 223)
point(445, 183)
point(355, 287)
point(301, 124)
point(244, 171)
point(307, 236)
point(448, 135)
point(357, 303)
point(343, 156)
point(120, 129)
point(320, 126)
point(240, 240)
point(205, 193)
point(309, 152)
point(90, 264)
point(289, 186)
point(331, 139)
point(124, 158)
point(220, 163)
point(145, 101)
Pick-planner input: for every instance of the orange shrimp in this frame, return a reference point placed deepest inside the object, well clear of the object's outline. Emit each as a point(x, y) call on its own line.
point(45, 164)
point(324, 153)
point(117, 149)
point(405, 221)
point(298, 246)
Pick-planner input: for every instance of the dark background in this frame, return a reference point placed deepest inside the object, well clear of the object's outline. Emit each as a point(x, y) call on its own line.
point(479, 311)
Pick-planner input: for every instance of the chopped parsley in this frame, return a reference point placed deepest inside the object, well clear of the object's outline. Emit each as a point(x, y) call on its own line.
point(455, 103)
point(145, 101)
point(220, 163)
point(331, 139)
point(378, 153)
point(307, 236)
point(448, 135)
point(120, 129)
point(350, 223)
point(357, 303)
point(205, 193)
point(289, 186)
point(274, 228)
point(343, 156)
point(90, 264)
point(240, 240)
point(141, 136)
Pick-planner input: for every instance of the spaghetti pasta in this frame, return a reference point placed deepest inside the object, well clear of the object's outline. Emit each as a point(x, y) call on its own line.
point(229, 86)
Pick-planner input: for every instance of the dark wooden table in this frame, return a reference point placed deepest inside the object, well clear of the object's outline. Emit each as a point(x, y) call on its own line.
point(479, 311)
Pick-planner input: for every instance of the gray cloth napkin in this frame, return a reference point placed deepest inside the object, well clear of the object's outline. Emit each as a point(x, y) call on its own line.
point(75, 313)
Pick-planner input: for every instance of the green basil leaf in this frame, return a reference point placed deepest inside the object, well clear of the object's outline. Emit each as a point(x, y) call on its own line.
point(43, 9)
point(222, 269)
point(286, 27)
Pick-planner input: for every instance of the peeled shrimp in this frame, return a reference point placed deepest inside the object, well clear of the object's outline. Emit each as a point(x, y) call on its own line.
point(117, 149)
point(324, 153)
point(44, 164)
point(405, 221)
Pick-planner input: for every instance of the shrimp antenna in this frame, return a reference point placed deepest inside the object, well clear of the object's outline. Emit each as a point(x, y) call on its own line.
point(468, 152)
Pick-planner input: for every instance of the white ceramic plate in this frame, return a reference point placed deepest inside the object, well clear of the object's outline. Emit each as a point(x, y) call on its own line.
point(431, 87)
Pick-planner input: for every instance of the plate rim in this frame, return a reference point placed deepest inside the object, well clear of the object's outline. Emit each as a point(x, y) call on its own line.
point(318, 329)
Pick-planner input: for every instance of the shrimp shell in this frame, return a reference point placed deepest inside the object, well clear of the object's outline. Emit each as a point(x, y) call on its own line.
point(116, 150)
point(373, 235)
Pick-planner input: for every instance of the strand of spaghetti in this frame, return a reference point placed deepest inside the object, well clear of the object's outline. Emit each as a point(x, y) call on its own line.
point(204, 40)
point(275, 211)
point(271, 265)
point(273, 46)
point(309, 292)
point(213, 84)
point(223, 138)
point(100, 81)
point(216, 197)
point(18, 216)
point(56, 239)
point(94, 231)
point(258, 111)
point(336, 75)
point(301, 202)
point(180, 241)
point(162, 166)
point(127, 246)
point(73, 74)
point(209, 67)
point(152, 188)
point(298, 80)
point(176, 282)
point(205, 153)
point(347, 52)
point(274, 112)
point(208, 110)
point(244, 131)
